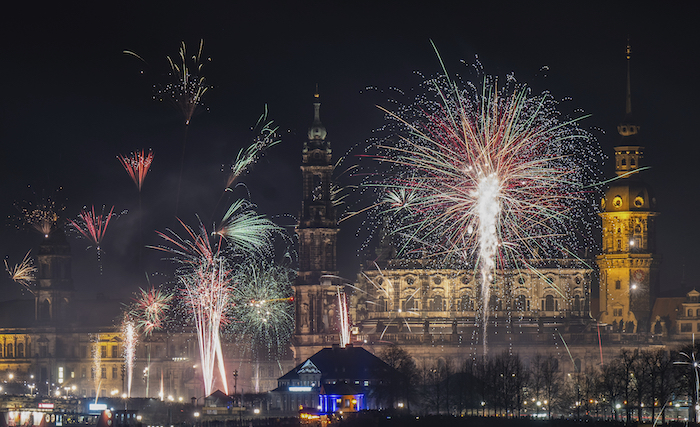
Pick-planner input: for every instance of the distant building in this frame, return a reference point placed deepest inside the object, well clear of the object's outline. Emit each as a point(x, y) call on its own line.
point(333, 380)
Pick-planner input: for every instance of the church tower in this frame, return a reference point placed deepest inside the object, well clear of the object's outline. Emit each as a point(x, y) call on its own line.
point(628, 265)
point(54, 288)
point(314, 291)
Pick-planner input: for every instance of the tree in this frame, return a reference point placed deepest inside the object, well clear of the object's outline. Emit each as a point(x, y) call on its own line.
point(400, 388)
point(547, 380)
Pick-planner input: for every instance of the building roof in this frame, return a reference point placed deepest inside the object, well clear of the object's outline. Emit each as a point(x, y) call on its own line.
point(349, 363)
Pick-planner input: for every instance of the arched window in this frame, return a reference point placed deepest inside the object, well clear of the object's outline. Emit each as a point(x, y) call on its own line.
point(697, 312)
point(690, 312)
point(520, 303)
point(632, 162)
point(549, 303)
point(20, 350)
point(437, 303)
point(577, 303)
point(624, 162)
point(381, 304)
point(10, 351)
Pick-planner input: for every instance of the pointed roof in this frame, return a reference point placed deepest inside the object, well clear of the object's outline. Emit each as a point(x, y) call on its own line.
point(628, 129)
point(317, 131)
point(349, 363)
point(308, 367)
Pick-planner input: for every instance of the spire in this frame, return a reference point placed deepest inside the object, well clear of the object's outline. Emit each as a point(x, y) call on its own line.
point(628, 128)
point(317, 131)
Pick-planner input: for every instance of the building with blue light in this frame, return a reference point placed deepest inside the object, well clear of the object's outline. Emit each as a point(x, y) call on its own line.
point(334, 380)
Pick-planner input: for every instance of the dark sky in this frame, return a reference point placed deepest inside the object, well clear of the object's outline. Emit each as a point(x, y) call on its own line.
point(71, 101)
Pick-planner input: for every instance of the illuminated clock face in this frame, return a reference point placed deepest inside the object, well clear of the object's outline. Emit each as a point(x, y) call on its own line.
point(638, 275)
point(639, 201)
point(617, 201)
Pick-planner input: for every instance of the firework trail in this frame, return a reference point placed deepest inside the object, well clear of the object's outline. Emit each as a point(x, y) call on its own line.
point(344, 319)
point(185, 93)
point(262, 313)
point(267, 137)
point(130, 340)
point(97, 364)
point(487, 177)
point(93, 227)
point(206, 276)
point(150, 309)
point(137, 165)
point(23, 273)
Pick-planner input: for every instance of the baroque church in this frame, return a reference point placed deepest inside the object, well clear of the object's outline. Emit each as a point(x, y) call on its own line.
point(56, 343)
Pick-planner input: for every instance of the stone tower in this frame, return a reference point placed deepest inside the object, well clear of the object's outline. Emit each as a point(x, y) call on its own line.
point(314, 289)
point(628, 264)
point(54, 290)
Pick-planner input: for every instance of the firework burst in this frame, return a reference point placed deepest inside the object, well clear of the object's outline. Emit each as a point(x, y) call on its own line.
point(188, 87)
point(245, 229)
point(485, 177)
point(262, 312)
point(93, 227)
point(150, 309)
point(42, 215)
point(137, 165)
point(23, 273)
point(206, 276)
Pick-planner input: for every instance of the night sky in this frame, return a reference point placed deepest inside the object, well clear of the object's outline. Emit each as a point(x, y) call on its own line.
point(72, 101)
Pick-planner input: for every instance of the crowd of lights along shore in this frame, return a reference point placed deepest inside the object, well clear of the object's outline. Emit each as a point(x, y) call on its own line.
point(484, 176)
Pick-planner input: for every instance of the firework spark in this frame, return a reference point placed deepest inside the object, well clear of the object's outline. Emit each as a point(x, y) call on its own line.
point(487, 177)
point(262, 313)
point(23, 273)
point(137, 165)
point(206, 275)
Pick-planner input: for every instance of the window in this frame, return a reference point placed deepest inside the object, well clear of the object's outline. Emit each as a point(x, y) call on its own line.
point(618, 285)
point(115, 351)
point(466, 304)
point(690, 312)
point(103, 351)
point(114, 372)
point(92, 373)
point(409, 303)
point(20, 350)
point(83, 373)
point(549, 303)
point(686, 327)
point(10, 351)
point(577, 303)
point(381, 305)
point(697, 312)
point(103, 372)
point(520, 303)
point(495, 303)
point(437, 304)
point(617, 312)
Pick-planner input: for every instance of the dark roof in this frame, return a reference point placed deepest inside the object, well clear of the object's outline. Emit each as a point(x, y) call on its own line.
point(346, 363)
point(667, 308)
